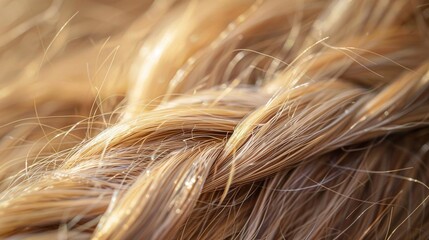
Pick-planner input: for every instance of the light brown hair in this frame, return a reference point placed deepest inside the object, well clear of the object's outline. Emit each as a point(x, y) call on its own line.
point(223, 119)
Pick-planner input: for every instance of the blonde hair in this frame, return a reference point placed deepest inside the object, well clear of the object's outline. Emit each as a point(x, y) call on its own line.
point(214, 119)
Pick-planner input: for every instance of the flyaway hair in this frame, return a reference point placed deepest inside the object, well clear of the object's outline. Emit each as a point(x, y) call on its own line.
point(222, 119)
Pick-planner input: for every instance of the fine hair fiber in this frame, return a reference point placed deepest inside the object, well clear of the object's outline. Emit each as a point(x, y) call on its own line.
point(214, 119)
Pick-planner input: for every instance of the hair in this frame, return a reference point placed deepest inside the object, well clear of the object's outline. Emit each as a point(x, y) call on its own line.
point(243, 119)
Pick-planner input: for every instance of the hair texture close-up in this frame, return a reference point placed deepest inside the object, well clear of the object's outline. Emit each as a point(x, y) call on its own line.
point(214, 119)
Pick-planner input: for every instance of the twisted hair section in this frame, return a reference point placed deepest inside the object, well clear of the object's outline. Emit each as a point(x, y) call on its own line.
point(246, 119)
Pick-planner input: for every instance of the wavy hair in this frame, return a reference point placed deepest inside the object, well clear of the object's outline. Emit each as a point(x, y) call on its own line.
point(243, 119)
